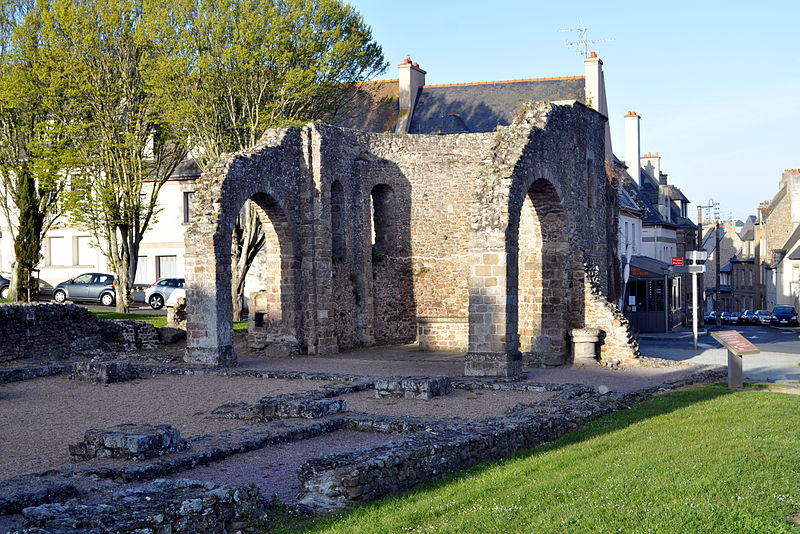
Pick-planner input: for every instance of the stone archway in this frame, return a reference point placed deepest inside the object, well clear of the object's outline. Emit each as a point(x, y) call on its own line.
point(274, 318)
point(542, 284)
point(271, 174)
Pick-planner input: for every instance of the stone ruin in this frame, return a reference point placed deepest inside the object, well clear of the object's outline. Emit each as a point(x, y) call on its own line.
point(497, 244)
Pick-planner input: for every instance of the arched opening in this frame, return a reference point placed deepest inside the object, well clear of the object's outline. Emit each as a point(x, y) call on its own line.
point(382, 212)
point(273, 320)
point(390, 293)
point(542, 283)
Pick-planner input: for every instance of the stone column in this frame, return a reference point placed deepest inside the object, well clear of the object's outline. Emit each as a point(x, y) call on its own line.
point(493, 342)
point(209, 310)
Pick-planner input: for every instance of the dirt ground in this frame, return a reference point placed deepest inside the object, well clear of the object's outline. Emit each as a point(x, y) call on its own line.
point(41, 417)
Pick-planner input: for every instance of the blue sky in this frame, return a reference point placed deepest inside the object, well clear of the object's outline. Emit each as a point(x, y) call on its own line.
point(717, 83)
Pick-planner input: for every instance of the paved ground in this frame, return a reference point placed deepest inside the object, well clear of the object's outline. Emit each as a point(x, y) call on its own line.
point(779, 360)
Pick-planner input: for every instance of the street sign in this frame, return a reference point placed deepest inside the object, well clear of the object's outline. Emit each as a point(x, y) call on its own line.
point(697, 256)
point(689, 269)
point(677, 260)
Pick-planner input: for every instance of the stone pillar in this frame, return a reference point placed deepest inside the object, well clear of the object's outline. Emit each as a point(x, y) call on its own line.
point(209, 309)
point(584, 345)
point(493, 342)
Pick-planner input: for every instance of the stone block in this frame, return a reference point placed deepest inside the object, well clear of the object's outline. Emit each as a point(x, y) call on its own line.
point(412, 387)
point(128, 441)
point(104, 372)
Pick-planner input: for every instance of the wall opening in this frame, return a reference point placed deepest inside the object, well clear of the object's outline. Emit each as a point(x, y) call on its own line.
point(543, 287)
point(271, 289)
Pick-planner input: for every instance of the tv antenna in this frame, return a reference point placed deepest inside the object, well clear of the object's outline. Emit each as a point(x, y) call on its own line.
point(584, 40)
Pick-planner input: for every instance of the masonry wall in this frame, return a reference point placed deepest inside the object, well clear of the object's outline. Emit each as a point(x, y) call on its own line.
point(382, 233)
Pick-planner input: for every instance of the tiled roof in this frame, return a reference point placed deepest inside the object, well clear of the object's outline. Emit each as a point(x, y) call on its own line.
point(481, 107)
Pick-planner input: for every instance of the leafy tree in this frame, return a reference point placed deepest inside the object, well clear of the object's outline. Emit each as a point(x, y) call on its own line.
point(100, 52)
point(230, 69)
point(35, 153)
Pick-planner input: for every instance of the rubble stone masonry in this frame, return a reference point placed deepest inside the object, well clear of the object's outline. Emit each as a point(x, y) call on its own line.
point(474, 242)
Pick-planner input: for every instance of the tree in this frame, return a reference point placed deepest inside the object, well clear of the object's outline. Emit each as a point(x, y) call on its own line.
point(35, 153)
point(230, 69)
point(99, 50)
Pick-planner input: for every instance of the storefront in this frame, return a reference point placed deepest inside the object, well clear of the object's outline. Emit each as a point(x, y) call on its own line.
point(650, 298)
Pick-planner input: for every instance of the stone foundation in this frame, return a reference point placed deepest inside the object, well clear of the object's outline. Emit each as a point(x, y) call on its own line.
point(412, 387)
point(101, 372)
point(129, 442)
point(490, 364)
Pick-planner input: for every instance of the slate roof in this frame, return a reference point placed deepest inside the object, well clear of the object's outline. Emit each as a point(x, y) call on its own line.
point(651, 265)
point(481, 107)
point(792, 243)
point(747, 233)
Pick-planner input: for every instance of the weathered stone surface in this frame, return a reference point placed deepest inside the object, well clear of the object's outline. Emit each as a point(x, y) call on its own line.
point(128, 441)
point(62, 331)
point(396, 238)
point(179, 506)
point(412, 387)
point(169, 334)
point(176, 315)
point(104, 372)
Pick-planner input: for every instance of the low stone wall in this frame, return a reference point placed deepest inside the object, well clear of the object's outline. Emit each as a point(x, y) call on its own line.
point(101, 372)
point(60, 331)
point(443, 333)
point(412, 387)
point(343, 479)
point(179, 506)
point(128, 441)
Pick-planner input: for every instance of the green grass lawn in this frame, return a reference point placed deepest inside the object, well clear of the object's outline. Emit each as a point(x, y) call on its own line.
point(698, 460)
point(156, 320)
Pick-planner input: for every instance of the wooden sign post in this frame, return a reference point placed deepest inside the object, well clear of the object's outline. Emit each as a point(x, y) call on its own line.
point(737, 346)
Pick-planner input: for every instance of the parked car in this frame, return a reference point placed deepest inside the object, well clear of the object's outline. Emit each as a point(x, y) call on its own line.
point(763, 317)
point(711, 317)
point(726, 317)
point(90, 287)
point(160, 293)
point(784, 315)
point(5, 284)
point(735, 316)
point(748, 317)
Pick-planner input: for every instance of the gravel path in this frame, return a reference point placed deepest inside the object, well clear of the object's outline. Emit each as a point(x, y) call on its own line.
point(39, 418)
point(274, 469)
point(477, 404)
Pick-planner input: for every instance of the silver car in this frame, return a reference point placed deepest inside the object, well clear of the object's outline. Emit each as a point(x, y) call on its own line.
point(164, 291)
point(91, 287)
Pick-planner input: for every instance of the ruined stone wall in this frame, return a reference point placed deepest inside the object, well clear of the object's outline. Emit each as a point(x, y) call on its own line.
point(396, 238)
point(60, 331)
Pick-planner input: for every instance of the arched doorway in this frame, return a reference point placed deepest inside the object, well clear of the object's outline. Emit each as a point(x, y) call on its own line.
point(274, 321)
point(542, 283)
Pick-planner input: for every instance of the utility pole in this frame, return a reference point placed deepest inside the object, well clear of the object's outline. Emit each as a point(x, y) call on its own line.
point(715, 206)
point(716, 267)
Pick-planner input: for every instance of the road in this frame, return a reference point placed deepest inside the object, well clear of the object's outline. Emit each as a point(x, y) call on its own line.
point(779, 360)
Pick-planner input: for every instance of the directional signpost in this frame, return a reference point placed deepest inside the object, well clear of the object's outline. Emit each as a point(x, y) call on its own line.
point(737, 346)
point(697, 260)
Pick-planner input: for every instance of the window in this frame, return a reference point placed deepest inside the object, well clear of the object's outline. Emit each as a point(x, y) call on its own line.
point(59, 252)
point(188, 196)
point(141, 270)
point(84, 253)
point(83, 279)
point(166, 266)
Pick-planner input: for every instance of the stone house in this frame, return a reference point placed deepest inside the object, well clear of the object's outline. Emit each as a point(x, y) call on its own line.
point(656, 214)
point(778, 221)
